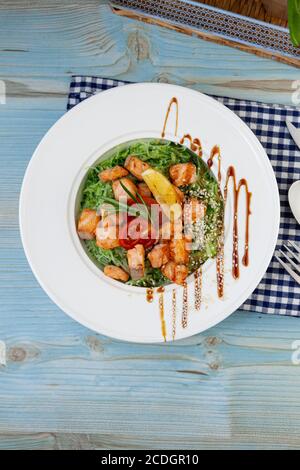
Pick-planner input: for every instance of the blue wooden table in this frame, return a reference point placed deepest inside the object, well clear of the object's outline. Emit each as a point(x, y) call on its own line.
point(63, 386)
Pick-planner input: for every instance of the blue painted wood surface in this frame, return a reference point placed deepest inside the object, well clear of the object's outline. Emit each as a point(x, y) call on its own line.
point(63, 386)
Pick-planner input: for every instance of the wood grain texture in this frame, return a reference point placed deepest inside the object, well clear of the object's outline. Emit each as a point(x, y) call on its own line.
point(255, 9)
point(64, 386)
point(41, 47)
point(234, 386)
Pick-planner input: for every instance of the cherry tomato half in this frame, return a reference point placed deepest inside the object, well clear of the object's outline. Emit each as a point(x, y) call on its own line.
point(138, 230)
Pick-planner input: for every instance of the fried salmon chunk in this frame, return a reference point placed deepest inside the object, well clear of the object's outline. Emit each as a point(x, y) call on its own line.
point(120, 192)
point(159, 255)
point(107, 233)
point(183, 173)
point(178, 251)
point(136, 166)
point(116, 273)
point(112, 174)
point(176, 273)
point(136, 262)
point(87, 224)
point(171, 229)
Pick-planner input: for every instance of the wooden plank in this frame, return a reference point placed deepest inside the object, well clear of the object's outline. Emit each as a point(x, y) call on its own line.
point(38, 441)
point(90, 39)
point(90, 441)
point(219, 388)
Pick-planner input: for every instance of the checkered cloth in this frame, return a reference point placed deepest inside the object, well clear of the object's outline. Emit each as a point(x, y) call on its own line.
point(277, 293)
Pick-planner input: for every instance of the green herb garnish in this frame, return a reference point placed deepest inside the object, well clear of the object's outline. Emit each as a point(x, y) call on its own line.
point(148, 215)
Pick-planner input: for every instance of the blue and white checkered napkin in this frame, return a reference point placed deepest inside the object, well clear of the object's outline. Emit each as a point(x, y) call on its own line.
point(277, 292)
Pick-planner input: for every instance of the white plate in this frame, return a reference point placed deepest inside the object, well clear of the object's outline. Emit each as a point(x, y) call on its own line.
point(51, 184)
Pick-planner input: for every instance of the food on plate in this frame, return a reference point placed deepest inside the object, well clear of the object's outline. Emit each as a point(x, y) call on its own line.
point(87, 224)
point(136, 166)
point(175, 272)
point(116, 273)
point(111, 174)
point(178, 251)
point(119, 188)
point(162, 189)
point(159, 255)
point(107, 232)
point(136, 262)
point(143, 190)
point(151, 213)
point(183, 173)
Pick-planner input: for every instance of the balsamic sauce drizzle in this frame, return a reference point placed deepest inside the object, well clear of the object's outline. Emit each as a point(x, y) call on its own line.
point(149, 294)
point(172, 101)
point(236, 192)
point(198, 288)
point(184, 318)
point(161, 291)
point(220, 265)
point(215, 151)
point(195, 144)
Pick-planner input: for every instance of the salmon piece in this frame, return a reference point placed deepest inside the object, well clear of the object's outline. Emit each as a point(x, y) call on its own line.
point(166, 231)
point(188, 242)
point(194, 210)
point(183, 173)
point(112, 174)
point(175, 272)
point(171, 229)
point(178, 251)
point(136, 166)
point(109, 210)
point(136, 262)
point(107, 243)
point(87, 224)
point(143, 190)
point(106, 209)
point(116, 273)
point(119, 192)
point(181, 273)
point(107, 233)
point(159, 255)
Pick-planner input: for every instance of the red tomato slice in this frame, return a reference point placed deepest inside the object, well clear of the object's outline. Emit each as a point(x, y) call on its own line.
point(138, 230)
point(148, 200)
point(156, 212)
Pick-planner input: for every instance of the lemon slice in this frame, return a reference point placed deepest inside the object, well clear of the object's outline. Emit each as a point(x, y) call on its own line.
point(163, 190)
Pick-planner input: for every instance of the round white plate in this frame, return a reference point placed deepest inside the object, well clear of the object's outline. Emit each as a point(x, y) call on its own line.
point(54, 174)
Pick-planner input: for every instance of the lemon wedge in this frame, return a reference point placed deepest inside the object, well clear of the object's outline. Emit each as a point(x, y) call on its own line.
point(163, 190)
